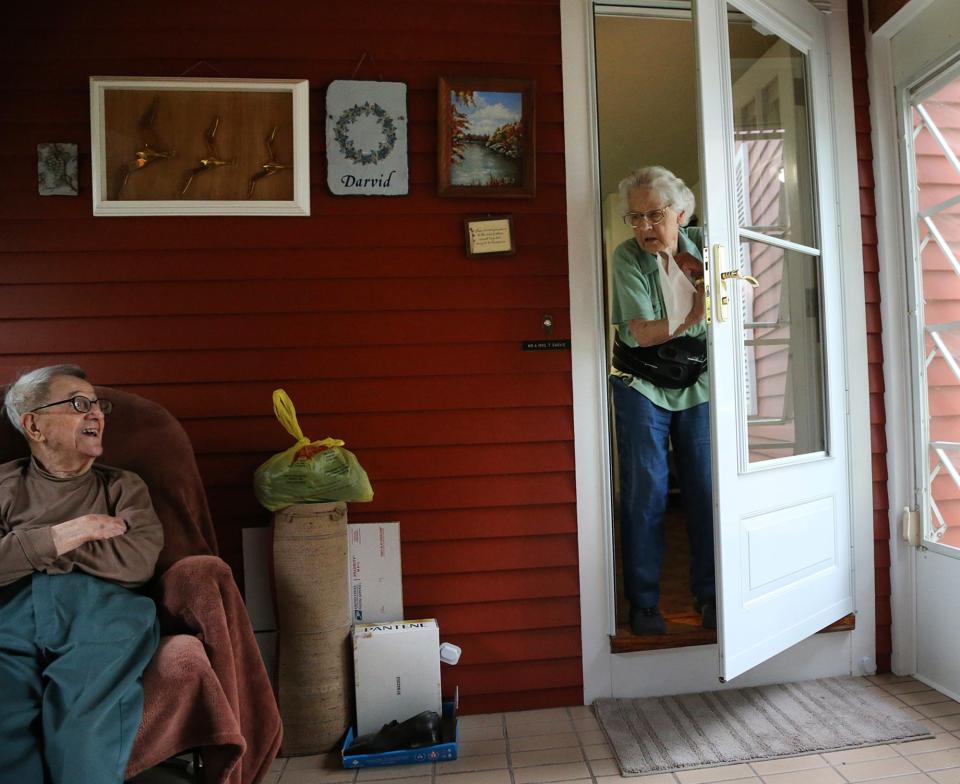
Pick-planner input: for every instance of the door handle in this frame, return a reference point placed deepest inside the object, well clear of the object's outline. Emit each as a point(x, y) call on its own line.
point(719, 262)
point(736, 275)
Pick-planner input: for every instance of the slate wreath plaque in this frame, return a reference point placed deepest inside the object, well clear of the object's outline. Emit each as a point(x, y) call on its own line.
point(367, 138)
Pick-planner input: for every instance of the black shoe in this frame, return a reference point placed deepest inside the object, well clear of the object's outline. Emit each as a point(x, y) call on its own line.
point(647, 620)
point(420, 730)
point(708, 609)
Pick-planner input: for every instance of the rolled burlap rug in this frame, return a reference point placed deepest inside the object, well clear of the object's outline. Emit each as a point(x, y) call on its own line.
point(313, 625)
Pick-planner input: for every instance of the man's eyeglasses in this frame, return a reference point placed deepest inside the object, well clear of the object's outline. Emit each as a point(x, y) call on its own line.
point(81, 405)
point(653, 217)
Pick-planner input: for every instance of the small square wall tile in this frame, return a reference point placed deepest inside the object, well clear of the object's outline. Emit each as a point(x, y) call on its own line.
point(937, 743)
point(324, 769)
point(889, 677)
point(949, 776)
point(653, 778)
point(536, 716)
point(593, 736)
point(471, 763)
point(597, 751)
point(936, 709)
point(865, 754)
point(905, 687)
point(813, 776)
point(540, 774)
point(937, 760)
point(604, 767)
point(304, 776)
point(587, 724)
point(788, 764)
point(478, 777)
point(921, 697)
point(470, 748)
point(720, 773)
point(950, 723)
point(552, 727)
point(911, 778)
point(524, 759)
point(878, 769)
point(395, 772)
point(481, 732)
point(482, 720)
point(557, 740)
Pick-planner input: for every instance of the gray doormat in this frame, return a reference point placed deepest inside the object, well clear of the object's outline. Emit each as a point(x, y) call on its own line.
point(659, 734)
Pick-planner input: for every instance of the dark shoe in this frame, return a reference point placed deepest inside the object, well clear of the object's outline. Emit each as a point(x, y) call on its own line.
point(647, 620)
point(420, 730)
point(708, 609)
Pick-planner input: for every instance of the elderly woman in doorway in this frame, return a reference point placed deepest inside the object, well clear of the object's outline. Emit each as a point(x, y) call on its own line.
point(75, 538)
point(658, 296)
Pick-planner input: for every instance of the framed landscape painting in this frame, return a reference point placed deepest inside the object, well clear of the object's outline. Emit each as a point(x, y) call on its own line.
point(486, 145)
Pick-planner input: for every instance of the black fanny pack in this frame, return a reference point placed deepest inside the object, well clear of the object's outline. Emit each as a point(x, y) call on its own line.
point(676, 364)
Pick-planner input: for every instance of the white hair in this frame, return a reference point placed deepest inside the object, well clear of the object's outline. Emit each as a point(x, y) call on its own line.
point(667, 185)
point(30, 390)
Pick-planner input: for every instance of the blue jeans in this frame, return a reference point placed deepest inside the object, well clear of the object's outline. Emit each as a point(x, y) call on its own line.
point(643, 433)
point(73, 648)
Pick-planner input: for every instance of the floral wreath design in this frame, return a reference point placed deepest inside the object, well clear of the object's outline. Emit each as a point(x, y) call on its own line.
point(350, 116)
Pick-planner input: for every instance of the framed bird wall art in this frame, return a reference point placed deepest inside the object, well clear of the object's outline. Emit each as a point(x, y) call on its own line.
point(199, 146)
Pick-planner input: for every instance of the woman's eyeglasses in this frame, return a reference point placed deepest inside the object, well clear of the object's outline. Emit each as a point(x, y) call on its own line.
point(652, 217)
point(81, 405)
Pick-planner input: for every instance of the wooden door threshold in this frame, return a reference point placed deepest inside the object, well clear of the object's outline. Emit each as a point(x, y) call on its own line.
point(685, 630)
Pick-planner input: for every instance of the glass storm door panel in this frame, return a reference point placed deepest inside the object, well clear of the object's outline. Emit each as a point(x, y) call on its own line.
point(931, 133)
point(777, 382)
point(934, 147)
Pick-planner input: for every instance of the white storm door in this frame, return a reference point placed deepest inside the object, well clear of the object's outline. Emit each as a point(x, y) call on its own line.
point(931, 138)
point(779, 434)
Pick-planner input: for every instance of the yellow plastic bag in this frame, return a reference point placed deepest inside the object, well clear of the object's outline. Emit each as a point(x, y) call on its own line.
point(309, 471)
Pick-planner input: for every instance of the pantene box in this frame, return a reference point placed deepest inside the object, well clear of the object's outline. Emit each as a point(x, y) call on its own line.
point(376, 586)
point(396, 668)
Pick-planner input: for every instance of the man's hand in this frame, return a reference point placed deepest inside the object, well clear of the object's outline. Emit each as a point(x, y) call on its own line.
point(87, 528)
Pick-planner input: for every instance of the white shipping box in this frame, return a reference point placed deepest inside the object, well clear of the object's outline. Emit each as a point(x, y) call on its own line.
point(396, 669)
point(376, 585)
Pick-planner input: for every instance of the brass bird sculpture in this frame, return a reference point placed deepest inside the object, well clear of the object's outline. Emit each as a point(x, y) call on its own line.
point(271, 167)
point(147, 153)
point(211, 161)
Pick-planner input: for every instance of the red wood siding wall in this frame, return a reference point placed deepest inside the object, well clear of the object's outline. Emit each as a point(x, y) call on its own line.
point(871, 275)
point(879, 11)
point(368, 312)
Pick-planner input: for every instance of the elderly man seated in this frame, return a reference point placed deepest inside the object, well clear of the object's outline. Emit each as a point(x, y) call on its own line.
point(75, 539)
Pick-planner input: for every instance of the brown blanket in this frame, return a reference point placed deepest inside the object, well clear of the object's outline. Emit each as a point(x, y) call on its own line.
point(200, 606)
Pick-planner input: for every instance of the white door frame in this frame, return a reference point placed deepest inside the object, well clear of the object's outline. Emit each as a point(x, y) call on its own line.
point(887, 76)
point(588, 358)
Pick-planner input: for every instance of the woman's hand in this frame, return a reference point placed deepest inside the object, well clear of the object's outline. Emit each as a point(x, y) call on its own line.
point(697, 309)
point(86, 528)
point(689, 265)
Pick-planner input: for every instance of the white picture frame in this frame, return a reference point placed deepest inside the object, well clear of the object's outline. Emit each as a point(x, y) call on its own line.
point(154, 133)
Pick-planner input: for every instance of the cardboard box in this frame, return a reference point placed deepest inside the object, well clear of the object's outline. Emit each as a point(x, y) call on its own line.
point(396, 668)
point(376, 587)
point(446, 749)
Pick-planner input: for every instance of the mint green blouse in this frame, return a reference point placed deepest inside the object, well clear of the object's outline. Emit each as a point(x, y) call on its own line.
point(637, 295)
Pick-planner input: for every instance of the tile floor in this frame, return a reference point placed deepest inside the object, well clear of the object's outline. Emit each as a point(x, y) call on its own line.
point(566, 745)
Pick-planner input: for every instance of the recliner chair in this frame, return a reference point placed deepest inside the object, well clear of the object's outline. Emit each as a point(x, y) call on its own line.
point(206, 688)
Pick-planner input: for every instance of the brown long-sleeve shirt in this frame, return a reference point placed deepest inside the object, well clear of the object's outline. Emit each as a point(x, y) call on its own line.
point(32, 500)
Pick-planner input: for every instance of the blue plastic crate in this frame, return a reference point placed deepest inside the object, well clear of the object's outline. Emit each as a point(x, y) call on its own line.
point(445, 750)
